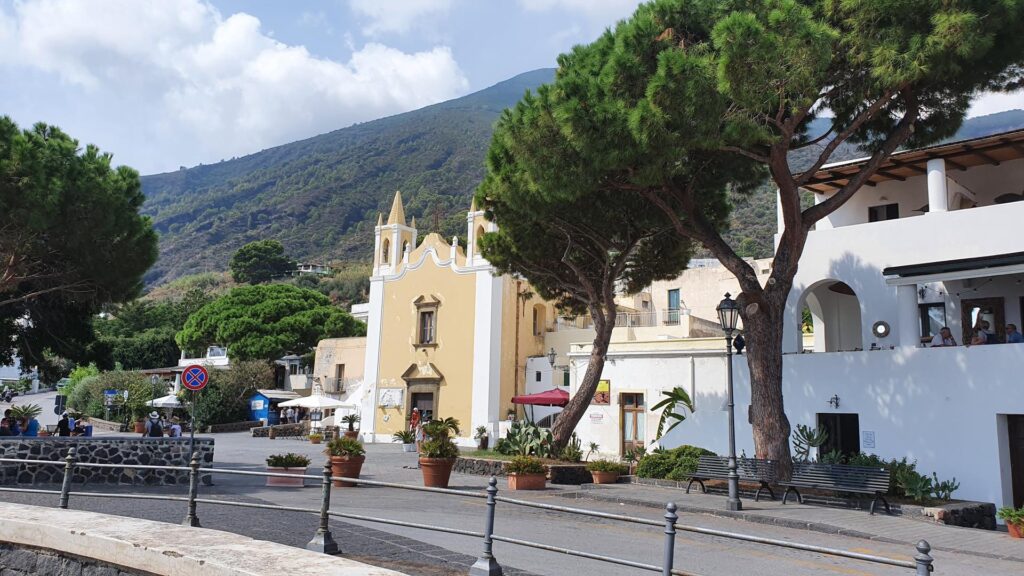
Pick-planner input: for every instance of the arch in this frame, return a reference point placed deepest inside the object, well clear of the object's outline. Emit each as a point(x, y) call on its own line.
point(405, 246)
point(385, 252)
point(480, 232)
point(836, 316)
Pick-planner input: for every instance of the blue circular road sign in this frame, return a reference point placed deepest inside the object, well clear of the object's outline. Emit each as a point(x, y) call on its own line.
point(195, 377)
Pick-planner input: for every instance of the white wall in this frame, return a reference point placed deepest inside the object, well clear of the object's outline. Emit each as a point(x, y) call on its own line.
point(938, 406)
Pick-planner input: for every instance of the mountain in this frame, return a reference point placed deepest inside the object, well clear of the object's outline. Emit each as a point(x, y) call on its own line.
point(320, 196)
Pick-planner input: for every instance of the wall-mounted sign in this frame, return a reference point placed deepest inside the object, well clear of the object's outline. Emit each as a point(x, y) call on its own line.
point(256, 405)
point(596, 417)
point(867, 439)
point(604, 392)
point(390, 397)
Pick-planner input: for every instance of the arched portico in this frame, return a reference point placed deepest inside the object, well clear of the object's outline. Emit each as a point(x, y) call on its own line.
point(836, 315)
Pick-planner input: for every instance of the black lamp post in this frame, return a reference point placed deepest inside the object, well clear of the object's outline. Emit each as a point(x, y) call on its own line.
point(728, 314)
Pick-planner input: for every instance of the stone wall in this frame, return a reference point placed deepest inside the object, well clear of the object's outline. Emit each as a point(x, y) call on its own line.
point(557, 473)
point(104, 450)
point(26, 561)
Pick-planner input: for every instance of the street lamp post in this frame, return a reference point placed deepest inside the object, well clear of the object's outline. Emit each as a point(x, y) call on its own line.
point(728, 314)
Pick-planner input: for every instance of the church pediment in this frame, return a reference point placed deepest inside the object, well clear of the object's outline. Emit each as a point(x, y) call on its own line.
point(422, 371)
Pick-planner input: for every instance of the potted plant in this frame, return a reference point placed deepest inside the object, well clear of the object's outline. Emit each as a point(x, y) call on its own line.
point(481, 437)
point(286, 464)
point(1014, 518)
point(606, 471)
point(351, 420)
point(407, 438)
point(315, 438)
point(347, 457)
point(439, 452)
point(525, 473)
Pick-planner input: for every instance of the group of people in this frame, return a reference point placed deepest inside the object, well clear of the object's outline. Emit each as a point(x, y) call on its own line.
point(11, 426)
point(291, 415)
point(980, 335)
point(157, 428)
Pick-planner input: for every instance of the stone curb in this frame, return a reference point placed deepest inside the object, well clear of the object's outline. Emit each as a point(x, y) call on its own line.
point(161, 548)
point(590, 494)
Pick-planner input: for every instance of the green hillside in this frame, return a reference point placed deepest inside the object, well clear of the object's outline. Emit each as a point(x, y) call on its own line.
point(320, 196)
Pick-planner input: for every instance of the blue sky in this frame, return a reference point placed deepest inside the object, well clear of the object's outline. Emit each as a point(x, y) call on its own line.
point(169, 83)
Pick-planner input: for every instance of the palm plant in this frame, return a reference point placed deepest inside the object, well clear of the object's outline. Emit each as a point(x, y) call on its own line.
point(672, 399)
point(26, 411)
point(351, 420)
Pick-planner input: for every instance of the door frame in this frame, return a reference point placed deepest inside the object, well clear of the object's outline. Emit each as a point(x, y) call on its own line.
point(998, 305)
point(637, 414)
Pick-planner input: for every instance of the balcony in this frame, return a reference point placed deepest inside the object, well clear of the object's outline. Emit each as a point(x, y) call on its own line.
point(338, 385)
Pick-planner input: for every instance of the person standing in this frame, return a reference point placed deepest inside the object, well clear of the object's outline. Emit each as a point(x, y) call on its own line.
point(64, 425)
point(175, 428)
point(290, 415)
point(154, 426)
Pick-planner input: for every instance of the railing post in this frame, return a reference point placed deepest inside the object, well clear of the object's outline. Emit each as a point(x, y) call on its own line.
point(923, 559)
point(670, 538)
point(193, 491)
point(323, 541)
point(486, 565)
point(65, 487)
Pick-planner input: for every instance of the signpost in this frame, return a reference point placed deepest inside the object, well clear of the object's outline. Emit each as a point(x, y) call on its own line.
point(195, 378)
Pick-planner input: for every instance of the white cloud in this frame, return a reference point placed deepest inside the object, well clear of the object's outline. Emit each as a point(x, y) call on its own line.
point(177, 83)
point(992, 102)
point(397, 16)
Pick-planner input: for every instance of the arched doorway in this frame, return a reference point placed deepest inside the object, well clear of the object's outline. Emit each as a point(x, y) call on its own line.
point(835, 314)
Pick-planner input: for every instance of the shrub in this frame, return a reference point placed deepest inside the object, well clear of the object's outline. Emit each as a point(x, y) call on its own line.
point(655, 465)
point(404, 436)
point(524, 465)
point(680, 462)
point(439, 442)
point(26, 411)
point(684, 469)
point(289, 460)
point(526, 439)
point(87, 395)
point(573, 451)
point(344, 446)
point(607, 466)
point(316, 436)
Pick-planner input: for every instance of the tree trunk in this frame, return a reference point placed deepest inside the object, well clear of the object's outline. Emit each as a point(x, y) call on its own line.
point(570, 416)
point(762, 332)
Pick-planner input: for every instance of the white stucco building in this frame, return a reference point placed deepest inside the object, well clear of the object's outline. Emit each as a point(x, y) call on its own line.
point(936, 239)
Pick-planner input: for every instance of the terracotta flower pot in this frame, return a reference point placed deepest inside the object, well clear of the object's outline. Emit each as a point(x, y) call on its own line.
point(1015, 530)
point(518, 481)
point(140, 426)
point(351, 433)
point(604, 477)
point(314, 440)
point(346, 467)
point(436, 471)
point(290, 482)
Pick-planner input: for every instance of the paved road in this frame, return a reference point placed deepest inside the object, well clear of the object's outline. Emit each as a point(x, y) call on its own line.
point(378, 543)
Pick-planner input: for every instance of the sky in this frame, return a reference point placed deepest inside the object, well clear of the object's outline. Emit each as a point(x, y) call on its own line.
point(167, 83)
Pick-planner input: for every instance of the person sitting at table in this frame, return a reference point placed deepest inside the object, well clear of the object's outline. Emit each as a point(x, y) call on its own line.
point(943, 338)
point(79, 429)
point(1013, 336)
point(5, 429)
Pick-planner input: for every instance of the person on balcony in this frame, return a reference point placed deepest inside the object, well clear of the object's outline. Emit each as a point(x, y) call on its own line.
point(1013, 336)
point(943, 338)
point(982, 335)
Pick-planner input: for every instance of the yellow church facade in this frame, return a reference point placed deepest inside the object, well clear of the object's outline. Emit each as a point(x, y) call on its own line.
point(444, 333)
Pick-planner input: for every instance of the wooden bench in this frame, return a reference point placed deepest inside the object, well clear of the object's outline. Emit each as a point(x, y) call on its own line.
point(839, 478)
point(748, 469)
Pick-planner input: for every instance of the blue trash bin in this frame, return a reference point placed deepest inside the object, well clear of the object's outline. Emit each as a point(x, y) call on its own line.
point(88, 430)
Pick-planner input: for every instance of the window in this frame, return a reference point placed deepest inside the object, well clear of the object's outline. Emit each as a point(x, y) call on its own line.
point(933, 318)
point(540, 318)
point(428, 327)
point(426, 313)
point(883, 212)
point(535, 331)
point(565, 378)
point(537, 377)
point(673, 307)
point(385, 250)
point(339, 371)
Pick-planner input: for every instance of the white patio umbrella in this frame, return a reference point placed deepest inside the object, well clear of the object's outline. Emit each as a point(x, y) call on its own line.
point(316, 402)
point(169, 401)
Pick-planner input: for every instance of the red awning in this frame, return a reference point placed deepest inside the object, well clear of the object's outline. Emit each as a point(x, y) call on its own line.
point(553, 397)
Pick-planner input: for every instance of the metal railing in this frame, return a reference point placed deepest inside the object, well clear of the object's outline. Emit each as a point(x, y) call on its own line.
point(486, 564)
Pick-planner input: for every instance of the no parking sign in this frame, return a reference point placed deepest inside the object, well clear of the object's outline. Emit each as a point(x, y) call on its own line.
point(195, 377)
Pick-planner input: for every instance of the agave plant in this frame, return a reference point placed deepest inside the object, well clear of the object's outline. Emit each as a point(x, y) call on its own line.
point(27, 411)
point(672, 400)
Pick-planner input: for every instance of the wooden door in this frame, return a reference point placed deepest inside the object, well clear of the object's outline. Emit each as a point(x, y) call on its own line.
point(1015, 428)
point(987, 307)
point(632, 419)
